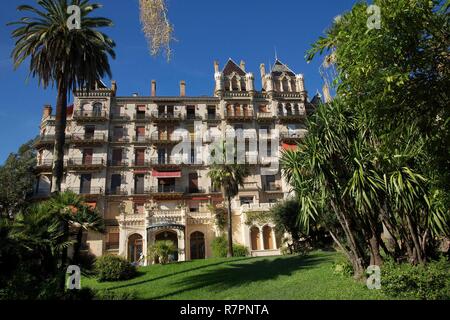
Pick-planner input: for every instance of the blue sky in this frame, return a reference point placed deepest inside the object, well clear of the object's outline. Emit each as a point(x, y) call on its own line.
point(205, 31)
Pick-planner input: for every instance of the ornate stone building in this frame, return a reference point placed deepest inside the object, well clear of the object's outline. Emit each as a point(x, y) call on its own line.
point(119, 155)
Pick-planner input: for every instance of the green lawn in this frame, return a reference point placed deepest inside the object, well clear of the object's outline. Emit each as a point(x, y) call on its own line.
point(277, 278)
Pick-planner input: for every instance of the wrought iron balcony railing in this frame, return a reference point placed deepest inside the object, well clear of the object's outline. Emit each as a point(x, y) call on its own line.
point(88, 162)
point(167, 189)
point(87, 190)
point(88, 138)
point(167, 116)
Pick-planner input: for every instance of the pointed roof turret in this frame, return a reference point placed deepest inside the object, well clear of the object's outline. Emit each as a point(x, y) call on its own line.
point(279, 68)
point(231, 67)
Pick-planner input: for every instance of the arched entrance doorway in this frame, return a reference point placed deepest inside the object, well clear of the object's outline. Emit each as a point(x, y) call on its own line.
point(197, 242)
point(169, 236)
point(268, 239)
point(135, 247)
point(254, 235)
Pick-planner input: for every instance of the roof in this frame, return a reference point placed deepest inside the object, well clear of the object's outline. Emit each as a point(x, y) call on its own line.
point(231, 67)
point(280, 68)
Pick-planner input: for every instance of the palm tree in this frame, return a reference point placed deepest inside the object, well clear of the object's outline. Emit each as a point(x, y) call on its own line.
point(84, 219)
point(73, 212)
point(69, 59)
point(228, 177)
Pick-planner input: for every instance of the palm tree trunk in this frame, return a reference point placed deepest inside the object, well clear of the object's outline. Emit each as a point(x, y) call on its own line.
point(230, 229)
point(60, 135)
point(77, 247)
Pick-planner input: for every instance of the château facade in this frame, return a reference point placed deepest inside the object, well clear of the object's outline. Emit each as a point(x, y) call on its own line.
point(119, 155)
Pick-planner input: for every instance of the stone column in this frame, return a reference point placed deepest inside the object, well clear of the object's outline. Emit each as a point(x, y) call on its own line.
point(261, 238)
point(274, 240)
point(181, 245)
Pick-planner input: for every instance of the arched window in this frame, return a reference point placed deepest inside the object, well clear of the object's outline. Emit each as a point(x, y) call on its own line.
point(197, 245)
point(285, 83)
point(243, 85)
point(234, 84)
point(135, 247)
point(296, 109)
point(280, 109)
point(97, 108)
point(255, 238)
point(289, 109)
point(237, 109)
point(293, 86)
point(267, 237)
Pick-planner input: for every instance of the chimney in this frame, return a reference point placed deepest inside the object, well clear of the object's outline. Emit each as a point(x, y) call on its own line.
point(114, 87)
point(242, 65)
point(47, 112)
point(182, 88)
point(216, 66)
point(153, 88)
point(262, 67)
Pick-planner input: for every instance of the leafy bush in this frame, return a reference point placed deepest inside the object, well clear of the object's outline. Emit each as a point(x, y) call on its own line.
point(342, 267)
point(220, 248)
point(114, 268)
point(88, 294)
point(161, 251)
point(429, 282)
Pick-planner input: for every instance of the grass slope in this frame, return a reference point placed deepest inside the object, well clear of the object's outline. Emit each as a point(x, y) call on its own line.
point(271, 278)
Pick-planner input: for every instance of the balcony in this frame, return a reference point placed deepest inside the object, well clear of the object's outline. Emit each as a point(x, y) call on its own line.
point(166, 116)
point(140, 192)
point(196, 190)
point(212, 117)
point(142, 117)
point(92, 191)
point(44, 165)
point(292, 117)
point(90, 116)
point(88, 139)
point(96, 163)
point(250, 186)
point(258, 207)
point(165, 138)
point(118, 191)
point(118, 163)
point(132, 219)
point(119, 140)
point(239, 116)
point(166, 162)
point(176, 216)
point(273, 188)
point(193, 117)
point(44, 141)
point(265, 117)
point(141, 140)
point(292, 135)
point(140, 164)
point(120, 117)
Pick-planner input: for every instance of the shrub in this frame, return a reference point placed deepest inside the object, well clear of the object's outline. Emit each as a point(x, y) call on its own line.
point(342, 267)
point(114, 268)
point(220, 248)
point(429, 282)
point(161, 251)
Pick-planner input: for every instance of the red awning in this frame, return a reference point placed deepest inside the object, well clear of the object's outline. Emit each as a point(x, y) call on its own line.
point(166, 174)
point(287, 146)
point(140, 171)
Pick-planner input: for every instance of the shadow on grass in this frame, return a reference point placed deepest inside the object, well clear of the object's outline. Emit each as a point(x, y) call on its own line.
point(141, 273)
point(239, 274)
